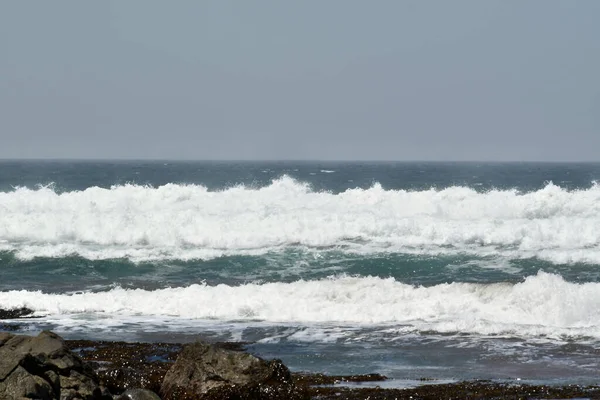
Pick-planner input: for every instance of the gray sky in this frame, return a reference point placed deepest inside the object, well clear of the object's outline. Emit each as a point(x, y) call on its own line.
point(335, 79)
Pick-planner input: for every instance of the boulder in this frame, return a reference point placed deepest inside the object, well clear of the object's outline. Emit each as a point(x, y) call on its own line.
point(43, 367)
point(207, 371)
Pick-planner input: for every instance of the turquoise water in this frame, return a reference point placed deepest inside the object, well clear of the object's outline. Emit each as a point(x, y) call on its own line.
point(438, 270)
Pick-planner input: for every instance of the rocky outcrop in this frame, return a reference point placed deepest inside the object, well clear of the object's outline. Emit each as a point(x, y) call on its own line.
point(15, 313)
point(121, 366)
point(42, 367)
point(207, 371)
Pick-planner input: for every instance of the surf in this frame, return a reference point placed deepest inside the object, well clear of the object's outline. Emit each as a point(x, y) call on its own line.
point(541, 305)
point(176, 221)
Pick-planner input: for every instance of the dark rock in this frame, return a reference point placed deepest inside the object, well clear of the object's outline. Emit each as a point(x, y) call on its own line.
point(256, 392)
point(147, 358)
point(20, 383)
point(138, 394)
point(321, 379)
point(473, 390)
point(42, 367)
point(15, 313)
point(122, 365)
point(206, 371)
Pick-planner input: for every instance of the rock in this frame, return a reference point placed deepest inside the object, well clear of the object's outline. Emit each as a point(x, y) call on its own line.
point(206, 371)
point(138, 394)
point(15, 313)
point(43, 367)
point(121, 365)
point(4, 337)
point(257, 392)
point(20, 383)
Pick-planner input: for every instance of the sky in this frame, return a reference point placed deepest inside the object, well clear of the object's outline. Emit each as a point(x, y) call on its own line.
point(495, 80)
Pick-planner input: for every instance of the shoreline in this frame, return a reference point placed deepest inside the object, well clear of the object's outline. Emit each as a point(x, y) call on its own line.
point(123, 365)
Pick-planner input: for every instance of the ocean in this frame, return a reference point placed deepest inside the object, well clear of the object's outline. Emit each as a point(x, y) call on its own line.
point(437, 271)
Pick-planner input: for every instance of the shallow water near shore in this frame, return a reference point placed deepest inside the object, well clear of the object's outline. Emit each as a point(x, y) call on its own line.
point(423, 272)
point(408, 360)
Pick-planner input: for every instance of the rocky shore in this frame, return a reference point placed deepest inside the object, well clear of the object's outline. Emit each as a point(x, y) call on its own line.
point(48, 367)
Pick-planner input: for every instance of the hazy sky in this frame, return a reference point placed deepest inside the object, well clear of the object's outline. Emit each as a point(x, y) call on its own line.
point(335, 79)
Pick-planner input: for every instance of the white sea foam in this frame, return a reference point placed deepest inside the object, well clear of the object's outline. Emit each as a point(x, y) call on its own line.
point(189, 221)
point(542, 305)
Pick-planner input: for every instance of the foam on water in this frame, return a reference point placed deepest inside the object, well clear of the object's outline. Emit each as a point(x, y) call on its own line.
point(188, 221)
point(543, 305)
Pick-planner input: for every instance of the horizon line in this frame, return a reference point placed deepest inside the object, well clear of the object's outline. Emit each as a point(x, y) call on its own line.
point(267, 160)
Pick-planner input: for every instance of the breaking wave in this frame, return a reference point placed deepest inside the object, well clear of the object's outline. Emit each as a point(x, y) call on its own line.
point(542, 305)
point(190, 222)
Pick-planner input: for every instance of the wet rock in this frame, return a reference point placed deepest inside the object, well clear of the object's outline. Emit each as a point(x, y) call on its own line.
point(121, 366)
point(15, 313)
point(256, 392)
point(321, 379)
point(138, 394)
point(207, 371)
point(474, 390)
point(43, 367)
point(149, 359)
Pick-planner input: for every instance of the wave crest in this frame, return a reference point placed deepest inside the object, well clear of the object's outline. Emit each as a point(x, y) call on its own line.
point(189, 221)
point(543, 304)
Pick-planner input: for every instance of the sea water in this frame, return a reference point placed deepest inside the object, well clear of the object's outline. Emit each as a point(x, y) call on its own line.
point(445, 271)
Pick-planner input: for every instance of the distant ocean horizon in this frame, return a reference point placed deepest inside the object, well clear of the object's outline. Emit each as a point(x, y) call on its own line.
point(446, 270)
point(291, 161)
